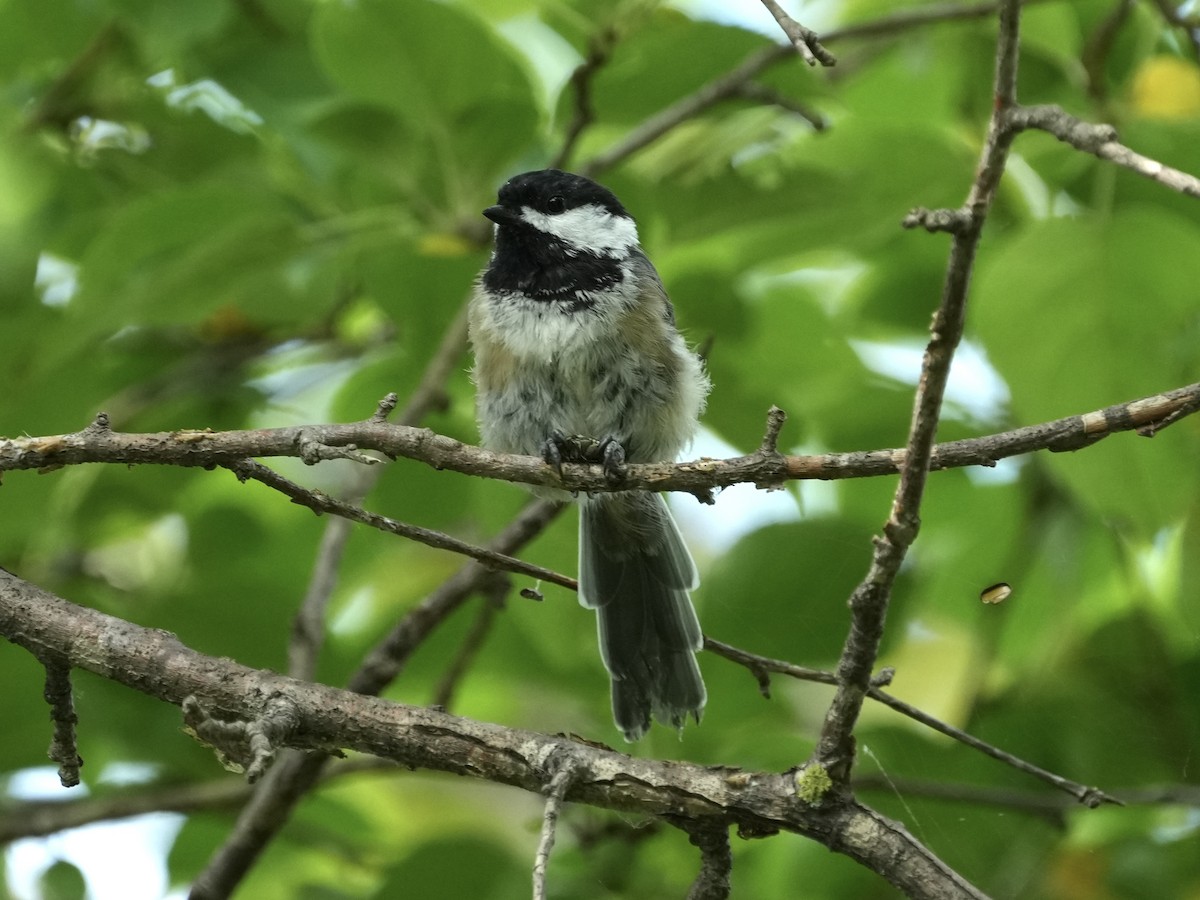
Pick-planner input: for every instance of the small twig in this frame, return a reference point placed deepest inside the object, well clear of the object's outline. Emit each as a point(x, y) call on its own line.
point(58, 103)
point(761, 666)
point(308, 626)
point(767, 96)
point(805, 40)
point(320, 502)
point(59, 694)
point(1090, 797)
point(869, 602)
point(729, 84)
point(776, 418)
point(38, 819)
point(555, 792)
point(1048, 806)
point(385, 408)
point(599, 51)
point(689, 107)
point(716, 859)
point(1101, 141)
point(1099, 45)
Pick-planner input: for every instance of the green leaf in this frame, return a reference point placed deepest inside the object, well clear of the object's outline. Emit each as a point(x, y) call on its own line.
point(1080, 314)
point(427, 61)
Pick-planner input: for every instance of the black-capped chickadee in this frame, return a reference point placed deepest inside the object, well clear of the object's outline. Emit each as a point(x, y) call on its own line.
point(577, 357)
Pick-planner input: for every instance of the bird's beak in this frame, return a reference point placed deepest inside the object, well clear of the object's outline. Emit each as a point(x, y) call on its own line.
point(502, 215)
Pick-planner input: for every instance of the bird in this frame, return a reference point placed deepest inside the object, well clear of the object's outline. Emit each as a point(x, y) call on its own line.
point(577, 358)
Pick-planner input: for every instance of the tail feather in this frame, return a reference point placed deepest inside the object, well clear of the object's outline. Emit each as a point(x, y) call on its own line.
point(635, 571)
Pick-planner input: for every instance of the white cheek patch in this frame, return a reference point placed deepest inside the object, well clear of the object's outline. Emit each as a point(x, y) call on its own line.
point(592, 228)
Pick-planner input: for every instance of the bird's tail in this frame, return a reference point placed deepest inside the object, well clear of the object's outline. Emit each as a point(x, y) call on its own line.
point(636, 572)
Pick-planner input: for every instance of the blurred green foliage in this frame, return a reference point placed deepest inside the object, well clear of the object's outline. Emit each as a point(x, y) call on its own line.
point(234, 215)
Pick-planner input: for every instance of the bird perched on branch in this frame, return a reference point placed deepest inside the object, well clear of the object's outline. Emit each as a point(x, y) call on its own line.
point(577, 359)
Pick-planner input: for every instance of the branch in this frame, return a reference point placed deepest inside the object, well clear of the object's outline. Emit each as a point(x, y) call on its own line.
point(716, 861)
point(600, 49)
point(38, 819)
point(1100, 141)
point(869, 602)
point(295, 773)
point(555, 792)
point(59, 694)
point(205, 449)
point(320, 502)
point(156, 663)
point(805, 40)
point(761, 667)
point(733, 82)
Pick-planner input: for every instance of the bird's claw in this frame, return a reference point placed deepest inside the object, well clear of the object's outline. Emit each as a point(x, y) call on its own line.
point(559, 448)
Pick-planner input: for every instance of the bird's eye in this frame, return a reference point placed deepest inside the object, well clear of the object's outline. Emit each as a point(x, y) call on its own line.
point(556, 205)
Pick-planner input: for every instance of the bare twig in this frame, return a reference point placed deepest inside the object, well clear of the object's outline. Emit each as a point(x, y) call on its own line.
point(61, 697)
point(207, 449)
point(869, 602)
point(319, 503)
point(732, 83)
point(600, 49)
point(555, 792)
point(1101, 141)
point(805, 40)
point(766, 96)
point(308, 626)
point(156, 663)
point(37, 819)
point(430, 394)
point(716, 860)
point(761, 667)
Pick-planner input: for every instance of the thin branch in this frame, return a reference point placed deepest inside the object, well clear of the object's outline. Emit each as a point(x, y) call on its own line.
point(308, 626)
point(689, 107)
point(555, 792)
point(59, 694)
point(869, 602)
point(1050, 807)
point(732, 83)
point(430, 394)
point(1101, 141)
point(156, 663)
point(767, 96)
point(205, 449)
point(716, 860)
point(38, 819)
point(1091, 797)
point(320, 503)
point(761, 667)
point(600, 49)
point(1099, 46)
point(805, 40)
